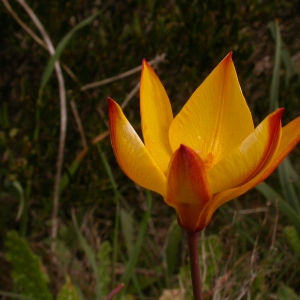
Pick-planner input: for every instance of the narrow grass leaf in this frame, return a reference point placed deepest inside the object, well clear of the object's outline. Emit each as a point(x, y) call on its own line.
point(287, 185)
point(129, 269)
point(284, 207)
point(117, 217)
point(60, 47)
point(17, 185)
point(274, 91)
point(172, 247)
point(127, 227)
point(293, 239)
point(285, 168)
point(15, 296)
point(66, 177)
point(293, 175)
point(288, 64)
point(90, 256)
point(104, 266)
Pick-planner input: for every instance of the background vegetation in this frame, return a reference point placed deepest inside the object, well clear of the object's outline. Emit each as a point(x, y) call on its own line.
point(108, 229)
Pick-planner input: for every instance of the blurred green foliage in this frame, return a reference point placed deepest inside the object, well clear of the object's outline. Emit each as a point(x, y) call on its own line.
point(195, 36)
point(28, 276)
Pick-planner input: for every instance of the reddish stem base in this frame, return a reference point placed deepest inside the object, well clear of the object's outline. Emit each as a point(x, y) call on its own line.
point(194, 263)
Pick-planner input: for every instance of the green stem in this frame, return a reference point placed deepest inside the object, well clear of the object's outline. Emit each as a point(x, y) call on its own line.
point(194, 263)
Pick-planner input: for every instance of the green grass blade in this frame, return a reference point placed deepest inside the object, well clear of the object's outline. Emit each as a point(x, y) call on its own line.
point(108, 170)
point(288, 64)
point(293, 175)
point(129, 269)
point(65, 180)
point(285, 168)
point(127, 227)
point(171, 253)
point(117, 217)
point(91, 257)
point(274, 91)
point(18, 187)
point(104, 266)
point(61, 46)
point(292, 238)
point(287, 185)
point(16, 296)
point(276, 199)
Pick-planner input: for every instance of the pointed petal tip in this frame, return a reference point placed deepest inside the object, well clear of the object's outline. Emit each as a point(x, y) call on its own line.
point(145, 64)
point(228, 57)
point(112, 104)
point(277, 114)
point(185, 150)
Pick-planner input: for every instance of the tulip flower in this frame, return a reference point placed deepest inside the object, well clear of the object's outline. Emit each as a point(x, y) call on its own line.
point(208, 154)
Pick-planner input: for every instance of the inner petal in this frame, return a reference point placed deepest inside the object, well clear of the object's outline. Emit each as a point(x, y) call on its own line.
point(246, 160)
point(216, 119)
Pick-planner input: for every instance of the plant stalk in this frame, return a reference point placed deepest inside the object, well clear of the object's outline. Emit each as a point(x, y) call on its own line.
point(194, 263)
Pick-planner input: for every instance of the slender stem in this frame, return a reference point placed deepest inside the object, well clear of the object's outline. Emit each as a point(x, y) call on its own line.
point(194, 263)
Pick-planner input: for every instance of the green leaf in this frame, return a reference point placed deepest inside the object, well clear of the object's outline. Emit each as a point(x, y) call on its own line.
point(285, 173)
point(28, 277)
point(284, 292)
point(127, 225)
point(91, 257)
point(274, 91)
point(292, 238)
point(68, 291)
point(129, 269)
point(173, 242)
point(104, 266)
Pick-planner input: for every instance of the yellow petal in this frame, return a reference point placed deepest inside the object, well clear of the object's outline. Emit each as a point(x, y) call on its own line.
point(289, 139)
point(216, 119)
point(132, 155)
point(156, 115)
point(250, 157)
point(187, 188)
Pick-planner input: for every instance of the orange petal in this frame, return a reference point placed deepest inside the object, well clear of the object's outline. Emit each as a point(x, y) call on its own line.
point(156, 114)
point(289, 139)
point(216, 119)
point(187, 188)
point(132, 155)
point(250, 157)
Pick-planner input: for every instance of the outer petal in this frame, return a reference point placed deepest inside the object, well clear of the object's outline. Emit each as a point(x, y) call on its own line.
point(249, 158)
point(289, 139)
point(132, 155)
point(216, 119)
point(187, 188)
point(156, 114)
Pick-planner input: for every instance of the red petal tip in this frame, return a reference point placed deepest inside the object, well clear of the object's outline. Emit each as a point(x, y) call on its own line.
point(144, 62)
point(184, 148)
point(110, 100)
